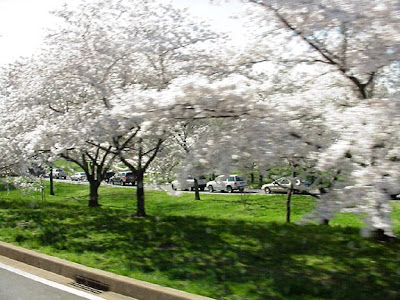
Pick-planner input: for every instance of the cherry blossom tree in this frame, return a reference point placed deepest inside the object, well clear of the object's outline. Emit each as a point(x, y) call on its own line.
point(349, 48)
point(185, 134)
point(358, 39)
point(369, 150)
point(99, 84)
point(15, 81)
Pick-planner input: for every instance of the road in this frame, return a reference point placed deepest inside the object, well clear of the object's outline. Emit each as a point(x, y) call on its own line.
point(163, 187)
point(20, 285)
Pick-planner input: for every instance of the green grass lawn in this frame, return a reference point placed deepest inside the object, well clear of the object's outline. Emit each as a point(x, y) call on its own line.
point(224, 246)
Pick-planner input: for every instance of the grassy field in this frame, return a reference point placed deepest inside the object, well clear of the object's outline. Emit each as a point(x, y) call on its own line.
point(224, 246)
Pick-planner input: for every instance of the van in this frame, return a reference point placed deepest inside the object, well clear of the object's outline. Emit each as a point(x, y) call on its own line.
point(59, 174)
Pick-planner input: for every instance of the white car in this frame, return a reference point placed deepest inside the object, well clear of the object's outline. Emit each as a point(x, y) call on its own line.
point(79, 176)
point(188, 184)
point(282, 185)
point(227, 183)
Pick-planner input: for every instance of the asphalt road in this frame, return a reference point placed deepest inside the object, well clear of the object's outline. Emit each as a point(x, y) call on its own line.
point(164, 187)
point(19, 285)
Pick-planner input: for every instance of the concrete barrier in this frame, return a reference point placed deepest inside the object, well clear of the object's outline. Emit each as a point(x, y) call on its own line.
point(115, 283)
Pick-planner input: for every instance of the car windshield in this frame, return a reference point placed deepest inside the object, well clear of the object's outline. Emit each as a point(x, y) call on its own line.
point(239, 179)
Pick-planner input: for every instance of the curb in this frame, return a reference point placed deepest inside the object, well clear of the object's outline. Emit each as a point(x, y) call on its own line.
point(115, 283)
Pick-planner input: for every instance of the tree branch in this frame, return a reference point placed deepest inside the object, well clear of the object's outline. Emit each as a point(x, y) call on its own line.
point(153, 156)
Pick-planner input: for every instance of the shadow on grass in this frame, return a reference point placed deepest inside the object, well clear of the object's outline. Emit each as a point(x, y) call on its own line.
point(223, 259)
point(4, 186)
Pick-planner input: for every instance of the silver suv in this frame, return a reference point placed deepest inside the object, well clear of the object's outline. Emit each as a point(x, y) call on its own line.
point(123, 178)
point(227, 183)
point(188, 184)
point(282, 185)
point(59, 173)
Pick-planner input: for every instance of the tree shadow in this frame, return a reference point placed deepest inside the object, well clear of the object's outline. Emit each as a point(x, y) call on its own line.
point(223, 259)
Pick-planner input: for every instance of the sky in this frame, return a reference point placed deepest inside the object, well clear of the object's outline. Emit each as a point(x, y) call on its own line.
point(23, 22)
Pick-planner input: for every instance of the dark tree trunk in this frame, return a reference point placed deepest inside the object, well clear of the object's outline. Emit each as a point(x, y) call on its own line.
point(252, 177)
point(51, 182)
point(288, 200)
point(380, 236)
point(196, 190)
point(141, 212)
point(94, 193)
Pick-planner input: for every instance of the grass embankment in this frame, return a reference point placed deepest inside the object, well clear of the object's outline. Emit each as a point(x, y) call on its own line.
point(224, 246)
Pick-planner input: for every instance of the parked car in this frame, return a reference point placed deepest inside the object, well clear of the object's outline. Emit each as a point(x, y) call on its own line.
point(79, 176)
point(282, 185)
point(123, 178)
point(59, 173)
point(227, 183)
point(188, 184)
point(108, 175)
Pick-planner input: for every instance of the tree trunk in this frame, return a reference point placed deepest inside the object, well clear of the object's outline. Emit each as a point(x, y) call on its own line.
point(380, 236)
point(51, 182)
point(252, 177)
point(94, 193)
point(288, 199)
point(325, 222)
point(141, 212)
point(196, 190)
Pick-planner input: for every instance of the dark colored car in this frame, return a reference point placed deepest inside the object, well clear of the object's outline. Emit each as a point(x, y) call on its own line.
point(108, 175)
point(124, 178)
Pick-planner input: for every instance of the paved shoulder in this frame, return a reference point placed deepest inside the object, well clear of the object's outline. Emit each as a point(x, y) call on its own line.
point(17, 284)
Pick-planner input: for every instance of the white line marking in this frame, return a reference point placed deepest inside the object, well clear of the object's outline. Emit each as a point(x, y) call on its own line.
point(51, 283)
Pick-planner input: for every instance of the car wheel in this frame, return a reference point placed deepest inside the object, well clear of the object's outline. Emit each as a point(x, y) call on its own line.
point(210, 188)
point(123, 183)
point(229, 189)
point(267, 190)
point(241, 190)
point(202, 189)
